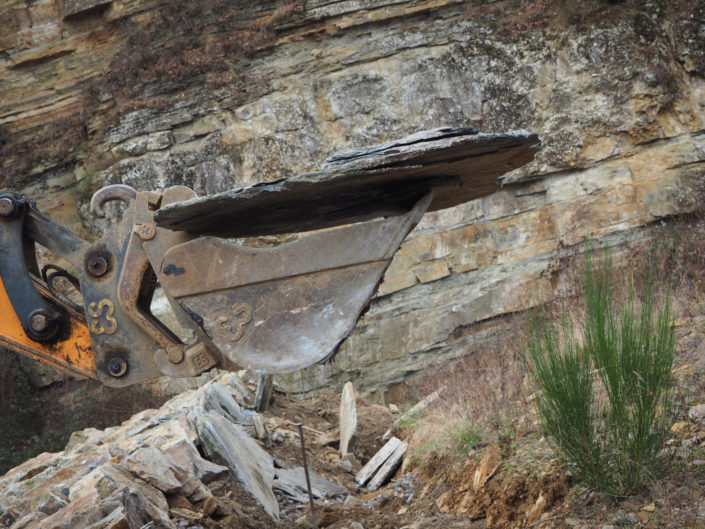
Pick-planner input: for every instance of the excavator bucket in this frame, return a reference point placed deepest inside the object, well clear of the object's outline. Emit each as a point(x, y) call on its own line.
point(284, 308)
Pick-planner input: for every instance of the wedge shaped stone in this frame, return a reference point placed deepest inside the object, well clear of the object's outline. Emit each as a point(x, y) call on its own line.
point(227, 443)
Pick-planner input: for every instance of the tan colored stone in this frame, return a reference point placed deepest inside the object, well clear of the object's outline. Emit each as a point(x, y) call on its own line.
point(177, 501)
point(347, 418)
point(209, 506)
point(489, 464)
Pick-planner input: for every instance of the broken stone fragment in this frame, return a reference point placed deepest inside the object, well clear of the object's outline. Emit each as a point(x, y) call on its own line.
point(227, 443)
point(209, 506)
point(348, 418)
point(84, 512)
point(185, 454)
point(383, 464)
point(185, 514)
point(51, 502)
point(239, 389)
point(140, 511)
point(263, 395)
point(351, 460)
point(219, 399)
point(110, 478)
point(295, 479)
point(489, 464)
point(261, 429)
point(153, 466)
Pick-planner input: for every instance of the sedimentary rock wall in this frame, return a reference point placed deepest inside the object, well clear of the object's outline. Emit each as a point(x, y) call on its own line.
point(225, 94)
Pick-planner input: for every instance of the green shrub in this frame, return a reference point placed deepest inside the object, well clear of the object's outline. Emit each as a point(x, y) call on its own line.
point(606, 389)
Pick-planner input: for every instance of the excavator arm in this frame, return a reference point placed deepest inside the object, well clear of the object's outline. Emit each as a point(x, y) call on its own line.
point(275, 309)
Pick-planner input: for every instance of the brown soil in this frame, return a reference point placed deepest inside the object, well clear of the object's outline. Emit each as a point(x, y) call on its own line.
point(410, 500)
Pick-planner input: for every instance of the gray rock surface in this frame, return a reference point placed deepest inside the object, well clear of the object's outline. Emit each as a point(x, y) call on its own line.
point(122, 476)
point(226, 442)
point(293, 482)
point(217, 398)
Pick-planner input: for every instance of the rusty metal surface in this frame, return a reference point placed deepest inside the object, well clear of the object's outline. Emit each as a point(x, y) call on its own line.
point(281, 309)
point(210, 264)
point(110, 193)
point(459, 164)
point(130, 344)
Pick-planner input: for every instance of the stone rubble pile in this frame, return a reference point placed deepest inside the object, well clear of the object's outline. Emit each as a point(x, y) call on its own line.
point(137, 474)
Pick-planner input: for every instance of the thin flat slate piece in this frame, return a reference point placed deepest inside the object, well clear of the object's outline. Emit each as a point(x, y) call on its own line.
point(386, 471)
point(358, 185)
point(226, 443)
point(378, 460)
point(286, 479)
point(347, 418)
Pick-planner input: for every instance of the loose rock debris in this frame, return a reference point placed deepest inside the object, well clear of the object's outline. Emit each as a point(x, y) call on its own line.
point(207, 460)
point(159, 467)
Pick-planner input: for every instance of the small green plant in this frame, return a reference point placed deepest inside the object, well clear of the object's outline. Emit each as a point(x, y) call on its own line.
point(606, 389)
point(464, 438)
point(410, 418)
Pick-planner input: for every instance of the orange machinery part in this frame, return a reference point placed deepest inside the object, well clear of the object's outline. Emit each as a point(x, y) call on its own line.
point(73, 354)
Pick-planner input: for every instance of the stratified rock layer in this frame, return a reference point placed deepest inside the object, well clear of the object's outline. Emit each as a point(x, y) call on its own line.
point(227, 94)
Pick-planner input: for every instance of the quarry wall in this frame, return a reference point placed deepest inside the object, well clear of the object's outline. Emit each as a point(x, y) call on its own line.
point(217, 95)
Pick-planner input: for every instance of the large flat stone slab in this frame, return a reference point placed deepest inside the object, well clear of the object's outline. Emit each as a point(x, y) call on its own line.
point(292, 481)
point(226, 443)
point(385, 180)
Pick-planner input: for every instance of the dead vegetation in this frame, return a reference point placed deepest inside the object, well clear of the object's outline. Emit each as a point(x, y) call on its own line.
point(486, 404)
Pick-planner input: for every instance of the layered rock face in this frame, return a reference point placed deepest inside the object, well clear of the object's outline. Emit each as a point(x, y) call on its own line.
point(227, 94)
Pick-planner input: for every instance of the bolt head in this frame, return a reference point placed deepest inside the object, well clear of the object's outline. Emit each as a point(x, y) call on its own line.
point(7, 207)
point(175, 354)
point(145, 231)
point(39, 322)
point(97, 265)
point(117, 367)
